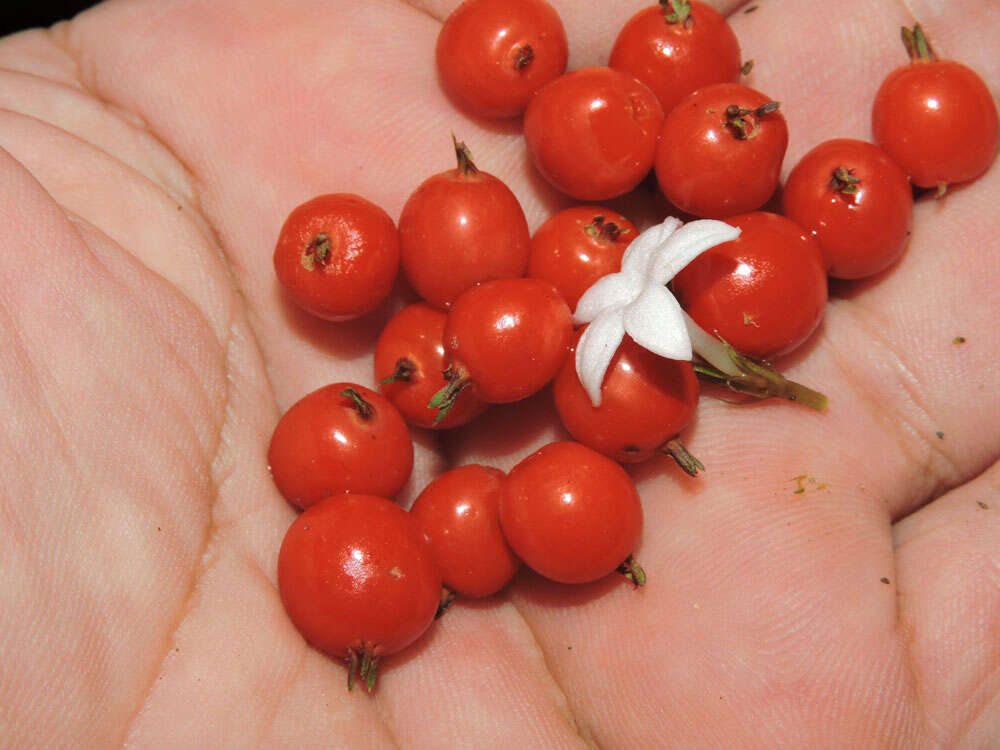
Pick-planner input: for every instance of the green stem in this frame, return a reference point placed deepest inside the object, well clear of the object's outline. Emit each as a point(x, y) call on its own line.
point(747, 375)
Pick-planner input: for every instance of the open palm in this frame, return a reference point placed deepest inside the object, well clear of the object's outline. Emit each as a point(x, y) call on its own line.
point(151, 151)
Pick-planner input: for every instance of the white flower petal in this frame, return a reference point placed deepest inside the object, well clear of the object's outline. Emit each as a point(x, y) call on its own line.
point(611, 291)
point(655, 322)
point(595, 350)
point(686, 244)
point(642, 248)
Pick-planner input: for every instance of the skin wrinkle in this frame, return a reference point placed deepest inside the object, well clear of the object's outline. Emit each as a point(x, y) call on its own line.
point(586, 737)
point(59, 36)
point(417, 5)
point(908, 429)
point(210, 539)
point(206, 559)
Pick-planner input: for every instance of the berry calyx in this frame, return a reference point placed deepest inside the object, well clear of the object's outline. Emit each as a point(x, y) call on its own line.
point(364, 662)
point(604, 231)
point(464, 157)
point(633, 572)
point(317, 252)
point(523, 57)
point(364, 409)
point(403, 372)
point(447, 597)
point(745, 123)
point(677, 451)
point(917, 46)
point(444, 399)
point(677, 11)
point(844, 182)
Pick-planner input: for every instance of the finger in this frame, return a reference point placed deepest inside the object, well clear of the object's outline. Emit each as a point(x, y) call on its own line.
point(113, 393)
point(948, 571)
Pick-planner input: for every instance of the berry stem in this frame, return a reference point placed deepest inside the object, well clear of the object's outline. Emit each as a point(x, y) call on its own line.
point(464, 157)
point(403, 372)
point(365, 409)
point(677, 451)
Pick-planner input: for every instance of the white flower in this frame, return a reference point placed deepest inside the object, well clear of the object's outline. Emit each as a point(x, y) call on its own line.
point(636, 300)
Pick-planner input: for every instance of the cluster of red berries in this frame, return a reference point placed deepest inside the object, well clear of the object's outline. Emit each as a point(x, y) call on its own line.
point(360, 576)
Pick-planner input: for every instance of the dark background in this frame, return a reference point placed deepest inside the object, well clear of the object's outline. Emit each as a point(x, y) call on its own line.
point(24, 14)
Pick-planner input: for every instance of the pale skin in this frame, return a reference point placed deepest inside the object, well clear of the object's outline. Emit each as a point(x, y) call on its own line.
point(150, 151)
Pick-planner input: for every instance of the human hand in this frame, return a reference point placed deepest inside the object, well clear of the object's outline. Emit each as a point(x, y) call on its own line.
point(150, 153)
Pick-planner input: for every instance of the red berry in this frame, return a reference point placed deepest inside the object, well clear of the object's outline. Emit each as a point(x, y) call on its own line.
point(720, 151)
point(409, 365)
point(570, 513)
point(507, 339)
point(764, 292)
point(646, 401)
point(676, 49)
point(935, 118)
point(577, 246)
point(493, 55)
point(341, 438)
point(592, 132)
point(461, 227)
point(337, 256)
point(358, 579)
point(855, 201)
point(460, 513)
